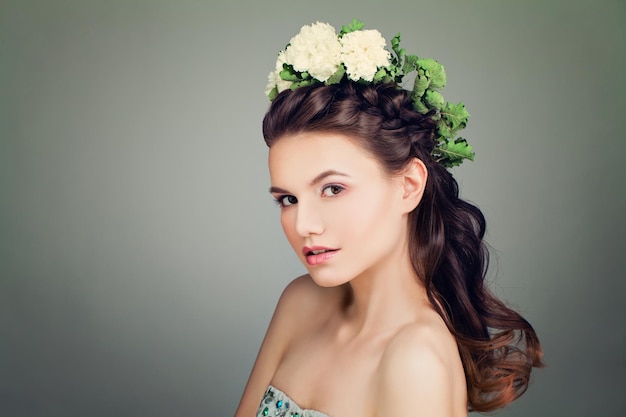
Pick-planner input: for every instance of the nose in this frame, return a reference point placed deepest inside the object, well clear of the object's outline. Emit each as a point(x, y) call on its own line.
point(308, 220)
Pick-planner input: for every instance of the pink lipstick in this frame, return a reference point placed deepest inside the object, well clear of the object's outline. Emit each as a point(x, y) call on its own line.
point(317, 255)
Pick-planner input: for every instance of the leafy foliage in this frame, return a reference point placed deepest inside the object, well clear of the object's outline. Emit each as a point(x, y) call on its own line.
point(430, 77)
point(352, 27)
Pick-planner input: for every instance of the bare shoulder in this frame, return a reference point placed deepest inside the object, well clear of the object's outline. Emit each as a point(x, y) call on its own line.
point(298, 300)
point(303, 293)
point(421, 372)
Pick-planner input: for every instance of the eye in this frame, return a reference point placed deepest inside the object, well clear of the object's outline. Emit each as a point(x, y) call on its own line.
point(332, 190)
point(286, 200)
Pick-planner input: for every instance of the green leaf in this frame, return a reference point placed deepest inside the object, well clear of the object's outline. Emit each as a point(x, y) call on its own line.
point(455, 117)
point(453, 153)
point(352, 27)
point(435, 71)
point(289, 74)
point(395, 47)
point(392, 70)
point(443, 128)
point(272, 94)
point(380, 75)
point(419, 88)
point(433, 99)
point(410, 64)
point(303, 83)
point(420, 107)
point(337, 76)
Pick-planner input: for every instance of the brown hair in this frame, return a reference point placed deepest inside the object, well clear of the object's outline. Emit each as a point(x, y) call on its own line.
point(498, 347)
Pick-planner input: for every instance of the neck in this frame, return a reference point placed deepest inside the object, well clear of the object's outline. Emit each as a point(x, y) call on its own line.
point(386, 298)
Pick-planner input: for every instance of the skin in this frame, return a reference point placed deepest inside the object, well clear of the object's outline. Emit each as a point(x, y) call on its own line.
point(356, 336)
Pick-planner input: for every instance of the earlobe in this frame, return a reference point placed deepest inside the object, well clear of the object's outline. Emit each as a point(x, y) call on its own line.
point(414, 181)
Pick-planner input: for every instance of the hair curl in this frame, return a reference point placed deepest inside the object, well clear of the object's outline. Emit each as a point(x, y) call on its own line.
point(498, 347)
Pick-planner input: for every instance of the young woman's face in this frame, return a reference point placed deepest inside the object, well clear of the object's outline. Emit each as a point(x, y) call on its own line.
point(341, 213)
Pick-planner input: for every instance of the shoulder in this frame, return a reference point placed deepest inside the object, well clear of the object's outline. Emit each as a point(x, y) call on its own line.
point(293, 316)
point(301, 291)
point(421, 372)
point(299, 298)
point(303, 299)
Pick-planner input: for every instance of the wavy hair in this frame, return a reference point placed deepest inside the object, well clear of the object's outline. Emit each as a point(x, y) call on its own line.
point(498, 347)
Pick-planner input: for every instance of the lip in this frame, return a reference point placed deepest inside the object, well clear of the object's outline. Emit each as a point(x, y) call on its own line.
point(320, 258)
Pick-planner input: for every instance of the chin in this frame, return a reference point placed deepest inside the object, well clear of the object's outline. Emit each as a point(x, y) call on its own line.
point(326, 278)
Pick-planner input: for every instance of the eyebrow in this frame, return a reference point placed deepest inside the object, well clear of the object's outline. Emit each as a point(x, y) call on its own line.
point(317, 179)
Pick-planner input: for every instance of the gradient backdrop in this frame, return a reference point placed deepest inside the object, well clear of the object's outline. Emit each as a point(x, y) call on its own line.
point(141, 256)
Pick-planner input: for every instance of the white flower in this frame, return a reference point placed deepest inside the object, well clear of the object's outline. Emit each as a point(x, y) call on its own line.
point(274, 79)
point(363, 53)
point(316, 50)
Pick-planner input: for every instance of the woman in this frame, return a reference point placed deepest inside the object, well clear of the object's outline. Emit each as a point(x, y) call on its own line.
point(393, 317)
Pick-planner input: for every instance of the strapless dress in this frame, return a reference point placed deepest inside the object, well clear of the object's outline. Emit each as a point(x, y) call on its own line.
point(276, 403)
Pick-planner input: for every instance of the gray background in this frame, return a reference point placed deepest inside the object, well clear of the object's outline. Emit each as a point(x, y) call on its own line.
point(141, 255)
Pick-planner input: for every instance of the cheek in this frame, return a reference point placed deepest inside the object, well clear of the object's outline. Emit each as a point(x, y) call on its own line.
point(365, 206)
point(288, 224)
point(371, 216)
point(349, 221)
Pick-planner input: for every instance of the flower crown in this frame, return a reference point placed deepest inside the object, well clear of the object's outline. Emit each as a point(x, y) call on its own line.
point(318, 55)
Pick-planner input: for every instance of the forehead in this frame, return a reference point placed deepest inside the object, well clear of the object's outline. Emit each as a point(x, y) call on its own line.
point(303, 156)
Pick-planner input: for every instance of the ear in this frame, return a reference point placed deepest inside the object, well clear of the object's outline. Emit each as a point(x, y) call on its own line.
point(414, 179)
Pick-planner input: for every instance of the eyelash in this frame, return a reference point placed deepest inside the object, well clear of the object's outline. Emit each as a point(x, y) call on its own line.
point(339, 189)
point(336, 190)
point(281, 198)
